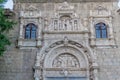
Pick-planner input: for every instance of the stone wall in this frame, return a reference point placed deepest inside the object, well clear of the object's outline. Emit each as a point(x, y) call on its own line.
point(17, 64)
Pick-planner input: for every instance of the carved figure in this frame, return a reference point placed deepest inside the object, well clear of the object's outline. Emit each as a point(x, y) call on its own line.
point(65, 61)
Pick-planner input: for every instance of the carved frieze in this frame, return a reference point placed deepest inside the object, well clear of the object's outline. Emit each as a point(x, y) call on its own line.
point(66, 61)
point(30, 14)
point(100, 11)
point(30, 11)
point(65, 6)
point(65, 24)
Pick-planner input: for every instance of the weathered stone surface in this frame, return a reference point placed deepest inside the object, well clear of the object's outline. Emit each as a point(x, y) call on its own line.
point(66, 44)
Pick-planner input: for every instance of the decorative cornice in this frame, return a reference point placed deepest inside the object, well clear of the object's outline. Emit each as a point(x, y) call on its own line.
point(59, 1)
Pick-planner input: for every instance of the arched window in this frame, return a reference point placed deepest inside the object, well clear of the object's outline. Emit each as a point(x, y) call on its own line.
point(30, 31)
point(101, 30)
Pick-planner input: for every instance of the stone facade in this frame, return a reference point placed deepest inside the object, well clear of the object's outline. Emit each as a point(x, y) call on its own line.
point(65, 46)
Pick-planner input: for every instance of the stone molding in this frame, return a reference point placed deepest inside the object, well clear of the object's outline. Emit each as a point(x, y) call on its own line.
point(101, 14)
point(41, 56)
point(59, 1)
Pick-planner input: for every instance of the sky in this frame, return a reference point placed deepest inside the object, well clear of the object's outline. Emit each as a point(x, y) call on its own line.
point(119, 3)
point(9, 4)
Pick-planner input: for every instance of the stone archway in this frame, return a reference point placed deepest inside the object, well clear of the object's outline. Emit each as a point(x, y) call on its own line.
point(65, 61)
point(46, 69)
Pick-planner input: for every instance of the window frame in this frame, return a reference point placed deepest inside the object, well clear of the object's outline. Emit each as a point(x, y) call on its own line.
point(101, 31)
point(30, 25)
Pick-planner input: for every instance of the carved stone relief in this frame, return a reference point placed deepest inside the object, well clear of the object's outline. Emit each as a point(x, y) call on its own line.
point(101, 13)
point(65, 19)
point(66, 61)
point(100, 10)
point(31, 8)
point(30, 14)
point(65, 6)
point(30, 11)
point(65, 23)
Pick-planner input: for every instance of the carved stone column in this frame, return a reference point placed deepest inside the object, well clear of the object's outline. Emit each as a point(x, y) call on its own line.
point(86, 39)
point(37, 68)
point(21, 28)
point(39, 38)
point(36, 74)
point(92, 31)
point(110, 28)
point(91, 27)
point(20, 32)
point(95, 71)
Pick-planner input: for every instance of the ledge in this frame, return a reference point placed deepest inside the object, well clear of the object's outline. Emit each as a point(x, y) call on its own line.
point(65, 32)
point(59, 1)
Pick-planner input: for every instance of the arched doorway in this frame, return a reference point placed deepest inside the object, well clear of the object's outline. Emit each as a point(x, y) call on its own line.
point(65, 62)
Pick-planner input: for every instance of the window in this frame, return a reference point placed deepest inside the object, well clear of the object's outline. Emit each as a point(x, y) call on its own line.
point(30, 31)
point(101, 30)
